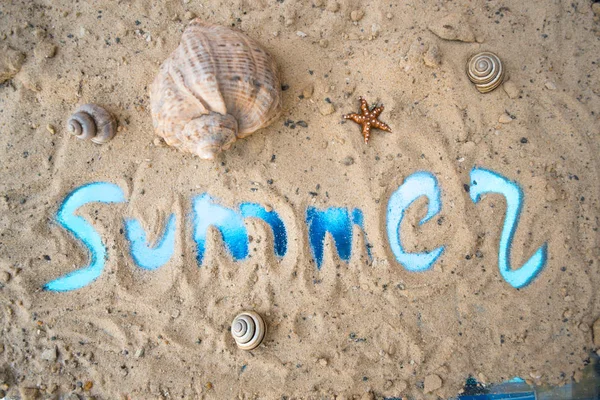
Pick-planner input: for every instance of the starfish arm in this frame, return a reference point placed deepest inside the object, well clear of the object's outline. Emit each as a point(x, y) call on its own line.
point(364, 107)
point(354, 117)
point(366, 132)
point(376, 111)
point(381, 125)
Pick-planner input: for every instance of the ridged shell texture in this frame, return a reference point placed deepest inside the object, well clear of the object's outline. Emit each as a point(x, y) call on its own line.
point(248, 330)
point(486, 71)
point(217, 86)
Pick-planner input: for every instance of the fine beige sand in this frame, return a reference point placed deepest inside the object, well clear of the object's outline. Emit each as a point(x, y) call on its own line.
point(363, 329)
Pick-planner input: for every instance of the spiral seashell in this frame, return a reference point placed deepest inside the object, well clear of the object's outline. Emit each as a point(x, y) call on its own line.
point(248, 329)
point(485, 70)
point(92, 122)
point(216, 87)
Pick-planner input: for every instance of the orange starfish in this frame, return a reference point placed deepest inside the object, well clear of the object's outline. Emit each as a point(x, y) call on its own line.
point(368, 118)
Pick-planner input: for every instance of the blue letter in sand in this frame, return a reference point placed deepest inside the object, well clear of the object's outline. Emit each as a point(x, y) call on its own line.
point(147, 257)
point(231, 225)
point(227, 221)
point(94, 192)
point(336, 221)
point(484, 181)
point(416, 185)
point(252, 210)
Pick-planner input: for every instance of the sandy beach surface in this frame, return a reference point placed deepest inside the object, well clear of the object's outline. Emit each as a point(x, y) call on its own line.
point(367, 328)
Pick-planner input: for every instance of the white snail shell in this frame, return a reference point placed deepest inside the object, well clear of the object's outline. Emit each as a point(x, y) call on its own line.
point(485, 70)
point(218, 86)
point(248, 329)
point(92, 122)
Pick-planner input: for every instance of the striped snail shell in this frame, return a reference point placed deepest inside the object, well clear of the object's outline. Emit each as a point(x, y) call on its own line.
point(218, 86)
point(485, 70)
point(248, 329)
point(92, 122)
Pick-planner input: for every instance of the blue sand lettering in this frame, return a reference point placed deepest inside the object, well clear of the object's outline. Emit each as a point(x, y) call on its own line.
point(145, 256)
point(336, 221)
point(252, 210)
point(359, 219)
point(484, 181)
point(230, 223)
point(416, 185)
point(102, 192)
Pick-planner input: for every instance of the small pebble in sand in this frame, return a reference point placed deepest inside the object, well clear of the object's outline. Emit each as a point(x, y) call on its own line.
point(511, 89)
point(375, 31)
point(44, 49)
point(301, 34)
point(596, 332)
point(11, 61)
point(139, 353)
point(357, 15)
point(432, 383)
point(51, 129)
point(432, 57)
point(49, 354)
point(208, 385)
point(324, 43)
point(348, 161)
point(289, 16)
point(596, 8)
point(453, 27)
point(5, 277)
point(28, 393)
point(323, 362)
point(332, 6)
point(326, 109)
point(550, 85)
point(189, 15)
point(308, 91)
point(482, 378)
point(583, 327)
point(505, 119)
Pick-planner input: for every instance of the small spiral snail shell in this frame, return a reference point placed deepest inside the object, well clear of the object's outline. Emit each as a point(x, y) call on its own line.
point(92, 122)
point(218, 86)
point(485, 70)
point(248, 329)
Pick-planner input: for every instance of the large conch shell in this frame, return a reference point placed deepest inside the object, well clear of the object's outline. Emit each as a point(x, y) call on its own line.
point(216, 87)
point(485, 70)
point(248, 330)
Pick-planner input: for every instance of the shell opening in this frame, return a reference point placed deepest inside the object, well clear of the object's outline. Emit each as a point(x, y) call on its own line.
point(210, 134)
